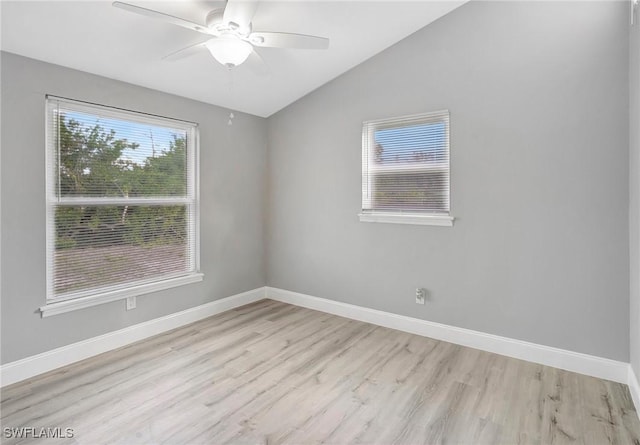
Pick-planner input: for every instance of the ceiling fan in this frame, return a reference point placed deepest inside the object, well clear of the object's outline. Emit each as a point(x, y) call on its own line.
point(232, 39)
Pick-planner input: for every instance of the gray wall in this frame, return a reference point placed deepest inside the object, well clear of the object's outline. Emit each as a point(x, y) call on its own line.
point(634, 190)
point(233, 174)
point(538, 95)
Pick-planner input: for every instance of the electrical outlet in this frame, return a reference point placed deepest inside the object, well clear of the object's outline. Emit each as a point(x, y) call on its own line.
point(421, 295)
point(131, 303)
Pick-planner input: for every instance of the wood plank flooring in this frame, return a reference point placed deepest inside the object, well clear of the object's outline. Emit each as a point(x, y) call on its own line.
point(271, 373)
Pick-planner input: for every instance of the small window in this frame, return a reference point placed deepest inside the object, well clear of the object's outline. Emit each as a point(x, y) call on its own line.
point(122, 202)
point(405, 170)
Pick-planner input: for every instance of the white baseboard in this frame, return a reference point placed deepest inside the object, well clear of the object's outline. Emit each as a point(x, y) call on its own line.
point(634, 389)
point(37, 364)
point(545, 355)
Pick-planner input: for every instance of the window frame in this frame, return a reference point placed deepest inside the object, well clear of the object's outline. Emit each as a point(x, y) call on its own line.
point(104, 294)
point(400, 216)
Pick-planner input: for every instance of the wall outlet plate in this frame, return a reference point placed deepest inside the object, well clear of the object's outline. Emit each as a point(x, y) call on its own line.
point(131, 303)
point(421, 295)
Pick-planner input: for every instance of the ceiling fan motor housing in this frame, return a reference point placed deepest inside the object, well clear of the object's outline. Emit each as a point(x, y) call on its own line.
point(215, 21)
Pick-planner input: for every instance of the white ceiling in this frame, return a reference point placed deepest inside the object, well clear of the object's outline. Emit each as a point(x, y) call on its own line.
point(95, 37)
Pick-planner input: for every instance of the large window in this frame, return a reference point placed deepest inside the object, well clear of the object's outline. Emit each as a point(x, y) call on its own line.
point(405, 170)
point(122, 203)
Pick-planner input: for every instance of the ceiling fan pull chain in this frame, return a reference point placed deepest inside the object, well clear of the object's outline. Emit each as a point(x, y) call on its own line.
point(230, 80)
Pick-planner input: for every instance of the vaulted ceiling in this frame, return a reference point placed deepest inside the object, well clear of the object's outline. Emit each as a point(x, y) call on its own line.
point(95, 37)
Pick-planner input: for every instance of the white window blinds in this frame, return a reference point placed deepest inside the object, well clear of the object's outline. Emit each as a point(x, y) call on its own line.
point(405, 165)
point(121, 199)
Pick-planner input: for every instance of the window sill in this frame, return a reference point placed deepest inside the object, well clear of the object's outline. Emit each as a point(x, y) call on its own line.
point(407, 218)
point(60, 307)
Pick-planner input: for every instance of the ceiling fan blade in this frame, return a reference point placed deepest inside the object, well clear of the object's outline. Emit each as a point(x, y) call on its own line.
point(240, 12)
point(185, 52)
point(287, 40)
point(163, 17)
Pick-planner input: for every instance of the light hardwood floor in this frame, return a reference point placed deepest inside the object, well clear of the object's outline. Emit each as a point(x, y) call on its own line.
point(274, 373)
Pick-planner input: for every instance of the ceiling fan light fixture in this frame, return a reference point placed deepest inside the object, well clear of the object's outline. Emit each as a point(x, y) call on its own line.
point(229, 50)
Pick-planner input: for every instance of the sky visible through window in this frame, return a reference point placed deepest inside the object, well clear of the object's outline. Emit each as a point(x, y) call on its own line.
point(414, 143)
point(152, 140)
